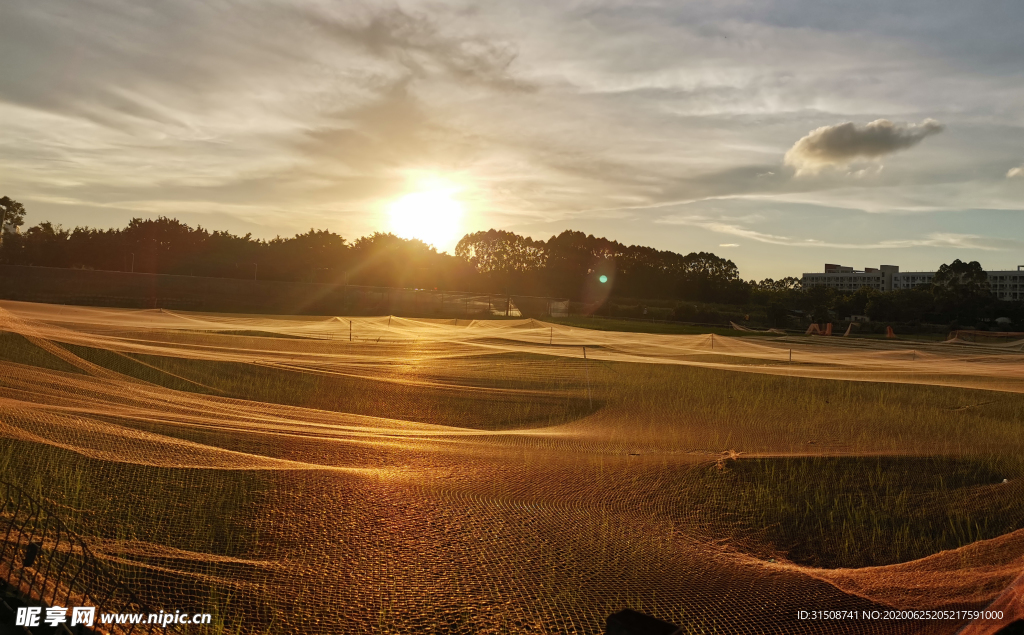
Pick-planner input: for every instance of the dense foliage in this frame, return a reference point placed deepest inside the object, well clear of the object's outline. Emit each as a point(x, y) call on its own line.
point(493, 261)
point(631, 281)
point(958, 297)
point(565, 263)
point(169, 246)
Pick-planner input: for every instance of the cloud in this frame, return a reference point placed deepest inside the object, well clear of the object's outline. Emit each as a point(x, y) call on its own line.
point(548, 113)
point(728, 245)
point(946, 240)
point(866, 172)
point(1016, 173)
point(841, 144)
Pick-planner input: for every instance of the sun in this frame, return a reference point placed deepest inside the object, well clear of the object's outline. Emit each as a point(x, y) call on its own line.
point(432, 216)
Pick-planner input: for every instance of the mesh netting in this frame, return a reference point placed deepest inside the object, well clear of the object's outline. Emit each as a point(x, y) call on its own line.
point(326, 475)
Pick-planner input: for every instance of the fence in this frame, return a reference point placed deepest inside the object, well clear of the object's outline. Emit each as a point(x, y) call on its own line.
point(43, 561)
point(151, 291)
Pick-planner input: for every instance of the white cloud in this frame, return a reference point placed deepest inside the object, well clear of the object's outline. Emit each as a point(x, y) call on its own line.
point(841, 144)
point(1016, 173)
point(935, 239)
point(866, 172)
point(308, 113)
point(728, 245)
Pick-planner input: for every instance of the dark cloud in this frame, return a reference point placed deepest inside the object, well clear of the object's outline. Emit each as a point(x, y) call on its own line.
point(843, 143)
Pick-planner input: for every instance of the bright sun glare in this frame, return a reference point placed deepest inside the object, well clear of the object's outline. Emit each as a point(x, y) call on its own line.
point(432, 216)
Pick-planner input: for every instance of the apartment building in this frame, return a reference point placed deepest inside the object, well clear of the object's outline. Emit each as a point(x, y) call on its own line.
point(1005, 285)
point(844, 278)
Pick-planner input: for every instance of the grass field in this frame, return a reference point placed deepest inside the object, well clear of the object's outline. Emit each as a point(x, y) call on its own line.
point(425, 485)
point(669, 328)
point(645, 326)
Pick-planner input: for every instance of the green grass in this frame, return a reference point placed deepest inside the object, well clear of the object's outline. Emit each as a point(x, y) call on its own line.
point(912, 337)
point(509, 396)
point(902, 470)
point(866, 511)
point(244, 333)
point(201, 514)
point(637, 326)
point(15, 348)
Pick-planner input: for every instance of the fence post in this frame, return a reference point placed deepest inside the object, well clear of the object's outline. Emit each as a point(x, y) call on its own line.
point(586, 366)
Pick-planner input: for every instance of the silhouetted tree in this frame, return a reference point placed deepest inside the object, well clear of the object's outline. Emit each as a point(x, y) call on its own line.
point(505, 260)
point(570, 264)
point(12, 213)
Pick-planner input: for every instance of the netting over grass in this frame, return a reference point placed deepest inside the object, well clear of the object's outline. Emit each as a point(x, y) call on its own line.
point(327, 475)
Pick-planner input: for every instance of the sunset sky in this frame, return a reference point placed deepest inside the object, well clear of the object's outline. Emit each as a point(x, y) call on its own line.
point(781, 134)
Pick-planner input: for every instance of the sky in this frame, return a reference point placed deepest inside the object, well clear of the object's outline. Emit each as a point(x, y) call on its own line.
point(781, 134)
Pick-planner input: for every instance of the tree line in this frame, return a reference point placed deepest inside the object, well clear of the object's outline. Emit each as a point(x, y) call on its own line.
point(487, 262)
point(571, 264)
point(567, 264)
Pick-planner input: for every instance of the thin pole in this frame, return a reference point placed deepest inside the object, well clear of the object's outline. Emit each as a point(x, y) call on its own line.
point(790, 356)
point(712, 341)
point(551, 337)
point(350, 330)
point(587, 367)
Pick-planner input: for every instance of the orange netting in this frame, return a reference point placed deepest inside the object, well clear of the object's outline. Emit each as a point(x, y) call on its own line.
point(326, 475)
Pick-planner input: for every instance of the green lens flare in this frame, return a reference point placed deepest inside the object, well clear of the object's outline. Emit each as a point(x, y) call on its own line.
point(603, 279)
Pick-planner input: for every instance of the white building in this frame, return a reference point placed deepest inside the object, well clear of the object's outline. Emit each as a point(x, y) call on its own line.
point(1005, 285)
point(848, 279)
